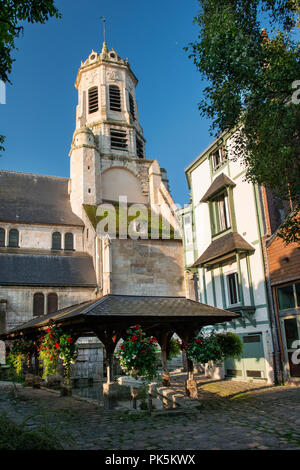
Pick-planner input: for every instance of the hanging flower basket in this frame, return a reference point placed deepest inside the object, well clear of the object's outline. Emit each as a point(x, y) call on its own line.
point(20, 354)
point(54, 345)
point(137, 354)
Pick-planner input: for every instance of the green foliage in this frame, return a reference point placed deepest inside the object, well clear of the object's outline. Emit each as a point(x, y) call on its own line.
point(251, 75)
point(173, 349)
point(204, 349)
point(17, 437)
point(19, 354)
point(231, 344)
point(11, 13)
point(137, 354)
point(214, 347)
point(53, 345)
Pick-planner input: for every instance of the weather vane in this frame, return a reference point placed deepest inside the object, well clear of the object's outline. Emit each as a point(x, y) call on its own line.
point(103, 21)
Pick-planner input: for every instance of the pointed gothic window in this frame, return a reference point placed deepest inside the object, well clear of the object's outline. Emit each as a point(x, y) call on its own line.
point(13, 238)
point(118, 139)
point(93, 100)
point(56, 241)
point(69, 244)
point(131, 107)
point(2, 237)
point(38, 304)
point(52, 303)
point(114, 98)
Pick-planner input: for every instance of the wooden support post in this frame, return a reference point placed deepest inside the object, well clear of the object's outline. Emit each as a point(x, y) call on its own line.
point(163, 338)
point(109, 337)
point(186, 335)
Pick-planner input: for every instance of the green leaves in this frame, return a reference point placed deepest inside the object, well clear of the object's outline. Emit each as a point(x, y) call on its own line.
point(137, 354)
point(214, 347)
point(251, 74)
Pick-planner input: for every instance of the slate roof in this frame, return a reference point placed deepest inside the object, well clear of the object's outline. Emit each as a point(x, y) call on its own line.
point(229, 243)
point(220, 182)
point(138, 307)
point(33, 199)
point(20, 267)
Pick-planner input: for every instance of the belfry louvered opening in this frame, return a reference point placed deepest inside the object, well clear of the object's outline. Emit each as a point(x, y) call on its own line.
point(114, 98)
point(139, 148)
point(93, 100)
point(118, 139)
point(131, 107)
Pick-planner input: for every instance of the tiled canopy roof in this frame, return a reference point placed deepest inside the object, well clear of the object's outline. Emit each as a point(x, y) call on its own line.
point(33, 199)
point(117, 307)
point(20, 267)
point(220, 182)
point(222, 246)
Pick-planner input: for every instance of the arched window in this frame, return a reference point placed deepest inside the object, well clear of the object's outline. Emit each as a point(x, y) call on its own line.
point(2, 237)
point(114, 98)
point(52, 303)
point(93, 100)
point(38, 304)
point(56, 241)
point(69, 244)
point(13, 238)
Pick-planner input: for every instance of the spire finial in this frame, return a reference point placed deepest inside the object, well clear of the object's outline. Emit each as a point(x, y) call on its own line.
point(104, 31)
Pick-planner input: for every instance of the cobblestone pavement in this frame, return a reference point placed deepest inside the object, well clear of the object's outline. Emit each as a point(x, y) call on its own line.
point(231, 415)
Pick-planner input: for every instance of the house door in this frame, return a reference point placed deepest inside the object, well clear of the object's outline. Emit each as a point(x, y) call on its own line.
point(251, 364)
point(290, 327)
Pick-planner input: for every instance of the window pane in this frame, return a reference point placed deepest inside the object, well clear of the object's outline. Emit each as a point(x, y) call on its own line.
point(52, 303)
point(13, 238)
point(286, 298)
point(69, 241)
point(38, 304)
point(233, 288)
point(297, 286)
point(291, 332)
point(2, 237)
point(56, 241)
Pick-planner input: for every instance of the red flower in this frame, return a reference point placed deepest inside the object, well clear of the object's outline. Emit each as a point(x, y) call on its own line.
point(136, 327)
point(41, 338)
point(133, 338)
point(122, 347)
point(199, 341)
point(57, 346)
point(70, 340)
point(48, 330)
point(50, 336)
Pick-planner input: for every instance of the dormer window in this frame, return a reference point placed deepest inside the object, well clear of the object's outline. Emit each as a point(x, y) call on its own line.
point(131, 107)
point(114, 98)
point(218, 158)
point(118, 139)
point(93, 100)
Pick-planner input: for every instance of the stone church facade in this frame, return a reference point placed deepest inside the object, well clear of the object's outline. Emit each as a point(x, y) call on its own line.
point(51, 253)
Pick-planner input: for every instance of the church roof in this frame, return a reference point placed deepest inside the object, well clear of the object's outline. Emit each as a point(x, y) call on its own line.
point(35, 199)
point(21, 267)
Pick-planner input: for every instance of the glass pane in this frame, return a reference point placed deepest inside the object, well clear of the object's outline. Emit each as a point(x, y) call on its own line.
point(38, 304)
point(286, 297)
point(13, 238)
point(56, 241)
point(2, 237)
point(69, 241)
point(298, 293)
point(233, 288)
point(291, 331)
point(52, 303)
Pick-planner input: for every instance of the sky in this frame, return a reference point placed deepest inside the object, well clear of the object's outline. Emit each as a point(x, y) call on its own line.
point(38, 118)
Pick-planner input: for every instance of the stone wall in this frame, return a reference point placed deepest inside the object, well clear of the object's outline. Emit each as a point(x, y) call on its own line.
point(147, 267)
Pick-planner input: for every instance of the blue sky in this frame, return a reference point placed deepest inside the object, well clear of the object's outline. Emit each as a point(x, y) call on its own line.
point(38, 119)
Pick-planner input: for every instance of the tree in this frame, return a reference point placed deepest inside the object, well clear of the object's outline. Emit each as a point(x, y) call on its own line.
point(11, 13)
point(253, 76)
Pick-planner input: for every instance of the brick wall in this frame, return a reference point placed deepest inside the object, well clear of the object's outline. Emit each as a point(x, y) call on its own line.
point(284, 261)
